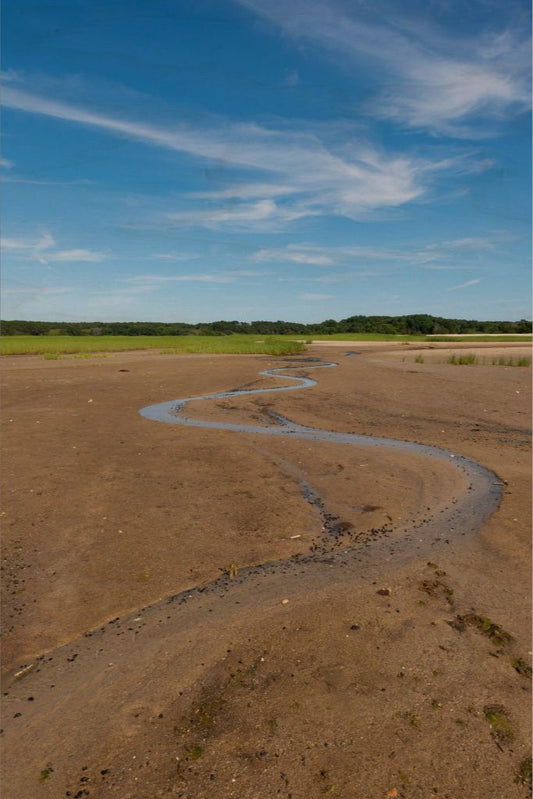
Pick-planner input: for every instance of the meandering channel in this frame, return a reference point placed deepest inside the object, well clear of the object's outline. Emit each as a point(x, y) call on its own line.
point(467, 513)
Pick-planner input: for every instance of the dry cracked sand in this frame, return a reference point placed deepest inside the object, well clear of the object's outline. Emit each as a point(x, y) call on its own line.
point(197, 613)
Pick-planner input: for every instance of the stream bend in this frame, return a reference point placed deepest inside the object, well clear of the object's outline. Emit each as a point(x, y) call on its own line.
point(469, 510)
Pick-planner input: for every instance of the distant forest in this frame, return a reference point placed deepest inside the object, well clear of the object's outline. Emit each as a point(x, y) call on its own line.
point(415, 324)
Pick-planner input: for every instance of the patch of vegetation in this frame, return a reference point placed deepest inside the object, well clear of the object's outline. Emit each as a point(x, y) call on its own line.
point(409, 716)
point(50, 347)
point(500, 723)
point(501, 361)
point(469, 359)
point(419, 359)
point(89, 355)
point(436, 587)
point(45, 773)
point(51, 356)
point(403, 778)
point(497, 635)
point(206, 712)
point(462, 360)
point(195, 753)
point(524, 773)
point(205, 719)
point(523, 668)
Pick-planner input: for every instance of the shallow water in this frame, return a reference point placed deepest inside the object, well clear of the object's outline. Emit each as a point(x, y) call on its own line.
point(470, 510)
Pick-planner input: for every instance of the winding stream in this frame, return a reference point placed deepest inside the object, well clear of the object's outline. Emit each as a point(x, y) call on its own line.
point(467, 512)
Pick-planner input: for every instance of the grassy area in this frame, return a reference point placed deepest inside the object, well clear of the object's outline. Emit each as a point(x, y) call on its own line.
point(355, 337)
point(525, 338)
point(397, 337)
point(469, 359)
point(52, 347)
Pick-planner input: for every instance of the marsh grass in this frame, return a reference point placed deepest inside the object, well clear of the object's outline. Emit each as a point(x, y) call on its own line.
point(524, 339)
point(469, 359)
point(52, 347)
point(463, 360)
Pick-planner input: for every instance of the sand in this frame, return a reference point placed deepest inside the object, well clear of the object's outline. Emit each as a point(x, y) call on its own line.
point(376, 678)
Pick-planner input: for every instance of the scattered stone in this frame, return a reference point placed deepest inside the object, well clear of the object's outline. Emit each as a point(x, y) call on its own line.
point(383, 591)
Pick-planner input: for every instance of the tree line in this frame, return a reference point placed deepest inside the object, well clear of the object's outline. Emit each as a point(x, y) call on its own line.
point(414, 324)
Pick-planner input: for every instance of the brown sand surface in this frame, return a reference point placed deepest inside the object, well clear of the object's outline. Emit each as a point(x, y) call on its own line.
point(419, 691)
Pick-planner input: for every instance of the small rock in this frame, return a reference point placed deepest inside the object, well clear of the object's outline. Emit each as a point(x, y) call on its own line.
point(355, 627)
point(284, 601)
point(384, 591)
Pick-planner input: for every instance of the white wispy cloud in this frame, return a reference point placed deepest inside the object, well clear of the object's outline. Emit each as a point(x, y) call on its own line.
point(29, 247)
point(263, 214)
point(431, 256)
point(442, 82)
point(75, 256)
point(292, 79)
point(244, 191)
point(37, 291)
point(317, 177)
point(36, 182)
point(469, 243)
point(465, 285)
point(200, 278)
point(43, 250)
point(177, 257)
point(295, 254)
point(5, 163)
point(43, 243)
point(310, 297)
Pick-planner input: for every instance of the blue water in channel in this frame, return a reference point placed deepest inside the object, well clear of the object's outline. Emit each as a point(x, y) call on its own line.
point(484, 490)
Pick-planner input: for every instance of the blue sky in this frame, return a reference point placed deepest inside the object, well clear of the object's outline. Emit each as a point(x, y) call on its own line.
point(265, 159)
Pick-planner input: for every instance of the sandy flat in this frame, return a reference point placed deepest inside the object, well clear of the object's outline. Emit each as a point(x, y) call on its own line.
point(156, 662)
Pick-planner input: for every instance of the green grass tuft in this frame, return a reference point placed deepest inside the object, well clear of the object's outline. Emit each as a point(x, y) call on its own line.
point(462, 360)
point(524, 773)
point(523, 668)
point(500, 723)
